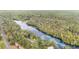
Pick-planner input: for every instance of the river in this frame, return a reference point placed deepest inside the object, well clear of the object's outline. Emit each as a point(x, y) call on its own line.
point(43, 36)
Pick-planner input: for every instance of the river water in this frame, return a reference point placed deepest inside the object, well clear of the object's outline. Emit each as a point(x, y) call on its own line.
point(40, 34)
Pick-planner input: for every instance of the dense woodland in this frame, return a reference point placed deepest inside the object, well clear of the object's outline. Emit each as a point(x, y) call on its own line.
point(61, 24)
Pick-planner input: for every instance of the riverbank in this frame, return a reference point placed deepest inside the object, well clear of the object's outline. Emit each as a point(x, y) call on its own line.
point(74, 46)
point(59, 43)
